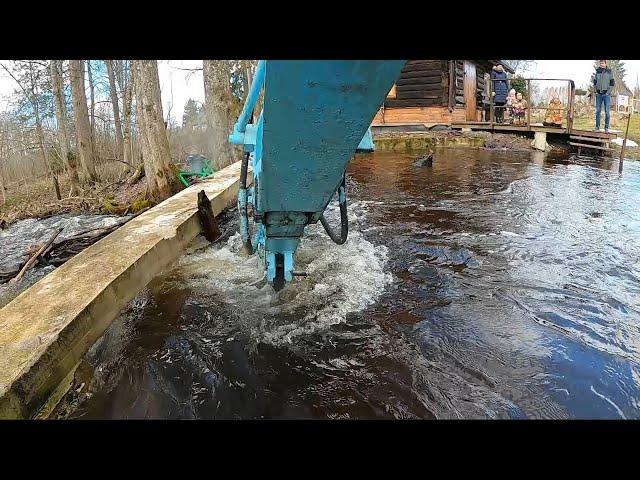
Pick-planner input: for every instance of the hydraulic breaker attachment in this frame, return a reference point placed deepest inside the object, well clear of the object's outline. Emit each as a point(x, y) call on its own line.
point(315, 116)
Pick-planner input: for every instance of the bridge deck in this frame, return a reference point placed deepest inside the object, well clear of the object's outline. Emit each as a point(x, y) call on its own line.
point(536, 128)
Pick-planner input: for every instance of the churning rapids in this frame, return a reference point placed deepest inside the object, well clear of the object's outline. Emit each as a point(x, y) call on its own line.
point(490, 285)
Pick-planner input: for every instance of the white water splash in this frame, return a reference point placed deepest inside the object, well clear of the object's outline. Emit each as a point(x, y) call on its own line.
point(341, 279)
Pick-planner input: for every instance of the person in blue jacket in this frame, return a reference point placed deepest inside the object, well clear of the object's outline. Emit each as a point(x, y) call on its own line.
point(499, 91)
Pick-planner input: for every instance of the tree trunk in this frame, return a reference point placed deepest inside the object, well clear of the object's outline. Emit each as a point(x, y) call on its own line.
point(92, 109)
point(81, 121)
point(40, 134)
point(55, 67)
point(116, 108)
point(2, 186)
point(43, 152)
point(126, 86)
point(217, 94)
point(160, 173)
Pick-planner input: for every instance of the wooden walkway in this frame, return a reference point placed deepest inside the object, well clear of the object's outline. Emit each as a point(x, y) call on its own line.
point(590, 134)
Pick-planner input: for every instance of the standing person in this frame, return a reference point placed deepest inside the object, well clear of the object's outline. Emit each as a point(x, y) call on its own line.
point(499, 91)
point(603, 82)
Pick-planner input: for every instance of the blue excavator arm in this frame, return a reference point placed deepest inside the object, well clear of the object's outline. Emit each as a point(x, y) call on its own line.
point(315, 116)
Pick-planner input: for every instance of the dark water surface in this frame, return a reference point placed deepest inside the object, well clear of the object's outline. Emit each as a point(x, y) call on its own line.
point(491, 285)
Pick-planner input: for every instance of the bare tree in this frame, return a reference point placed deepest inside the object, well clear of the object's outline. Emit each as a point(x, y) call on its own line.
point(55, 67)
point(116, 108)
point(521, 66)
point(92, 107)
point(81, 121)
point(218, 101)
point(3, 155)
point(159, 171)
point(30, 89)
point(125, 79)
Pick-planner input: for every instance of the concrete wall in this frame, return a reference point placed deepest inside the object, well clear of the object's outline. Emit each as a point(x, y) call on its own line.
point(45, 331)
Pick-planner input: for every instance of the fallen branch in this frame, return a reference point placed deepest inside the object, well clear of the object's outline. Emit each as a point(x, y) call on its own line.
point(35, 256)
point(76, 199)
point(137, 175)
point(69, 247)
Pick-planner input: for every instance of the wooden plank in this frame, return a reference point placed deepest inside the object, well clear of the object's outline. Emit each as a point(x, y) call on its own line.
point(589, 139)
point(412, 102)
point(46, 330)
point(470, 89)
point(470, 124)
point(421, 67)
point(427, 83)
point(422, 115)
point(420, 94)
point(421, 73)
point(413, 63)
point(595, 147)
point(427, 79)
point(591, 133)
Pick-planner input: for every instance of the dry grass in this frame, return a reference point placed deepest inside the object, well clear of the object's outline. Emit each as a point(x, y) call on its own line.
point(617, 123)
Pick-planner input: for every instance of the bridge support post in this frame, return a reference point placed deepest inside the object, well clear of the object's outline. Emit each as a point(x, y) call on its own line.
point(540, 141)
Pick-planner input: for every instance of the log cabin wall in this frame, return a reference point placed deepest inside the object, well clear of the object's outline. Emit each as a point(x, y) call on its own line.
point(482, 68)
point(422, 92)
point(422, 83)
point(459, 83)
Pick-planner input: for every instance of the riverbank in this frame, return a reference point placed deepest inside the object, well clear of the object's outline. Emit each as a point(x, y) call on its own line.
point(417, 141)
point(36, 199)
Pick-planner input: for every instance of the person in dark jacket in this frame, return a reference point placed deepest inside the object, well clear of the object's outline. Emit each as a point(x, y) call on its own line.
point(499, 91)
point(603, 82)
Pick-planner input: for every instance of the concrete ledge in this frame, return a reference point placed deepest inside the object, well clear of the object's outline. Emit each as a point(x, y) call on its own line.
point(45, 331)
point(420, 141)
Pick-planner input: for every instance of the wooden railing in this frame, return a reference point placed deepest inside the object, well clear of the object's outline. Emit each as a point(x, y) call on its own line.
point(568, 115)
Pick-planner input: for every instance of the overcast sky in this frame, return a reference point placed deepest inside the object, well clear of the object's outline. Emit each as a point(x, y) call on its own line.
point(179, 85)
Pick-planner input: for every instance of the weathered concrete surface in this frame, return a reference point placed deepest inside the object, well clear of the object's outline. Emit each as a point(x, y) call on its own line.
point(419, 141)
point(45, 331)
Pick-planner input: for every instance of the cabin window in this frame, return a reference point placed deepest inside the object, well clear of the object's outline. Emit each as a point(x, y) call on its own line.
point(392, 92)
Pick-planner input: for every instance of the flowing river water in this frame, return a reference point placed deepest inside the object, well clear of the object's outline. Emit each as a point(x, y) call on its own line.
point(490, 285)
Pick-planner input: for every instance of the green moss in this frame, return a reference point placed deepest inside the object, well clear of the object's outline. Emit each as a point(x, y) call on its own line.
point(111, 208)
point(139, 204)
point(417, 143)
point(108, 207)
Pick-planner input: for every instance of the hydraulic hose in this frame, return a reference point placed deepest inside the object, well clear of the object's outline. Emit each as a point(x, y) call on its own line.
point(344, 219)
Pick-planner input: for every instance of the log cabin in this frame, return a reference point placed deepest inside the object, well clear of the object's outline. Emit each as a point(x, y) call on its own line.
point(438, 92)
